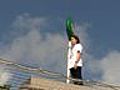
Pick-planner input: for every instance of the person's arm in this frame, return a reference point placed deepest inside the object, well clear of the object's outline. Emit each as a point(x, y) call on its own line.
point(78, 56)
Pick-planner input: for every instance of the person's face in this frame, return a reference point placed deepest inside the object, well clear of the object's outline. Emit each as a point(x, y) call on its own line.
point(73, 41)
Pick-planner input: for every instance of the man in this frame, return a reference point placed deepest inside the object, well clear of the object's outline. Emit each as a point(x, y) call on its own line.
point(75, 62)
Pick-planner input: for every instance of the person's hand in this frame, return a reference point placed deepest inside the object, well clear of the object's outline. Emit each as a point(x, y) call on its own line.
point(69, 44)
point(75, 66)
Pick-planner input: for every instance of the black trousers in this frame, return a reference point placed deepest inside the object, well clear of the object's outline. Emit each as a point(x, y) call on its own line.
point(76, 73)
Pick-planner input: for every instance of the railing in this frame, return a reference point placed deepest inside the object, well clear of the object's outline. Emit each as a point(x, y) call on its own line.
point(21, 73)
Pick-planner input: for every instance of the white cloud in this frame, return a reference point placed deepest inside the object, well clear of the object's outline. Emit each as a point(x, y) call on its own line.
point(27, 22)
point(49, 51)
point(33, 48)
point(107, 68)
point(4, 77)
point(111, 67)
point(81, 31)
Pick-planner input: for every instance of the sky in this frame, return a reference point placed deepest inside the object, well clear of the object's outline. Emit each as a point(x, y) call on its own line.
point(33, 33)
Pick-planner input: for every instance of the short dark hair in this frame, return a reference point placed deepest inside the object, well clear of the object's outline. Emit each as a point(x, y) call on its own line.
point(77, 38)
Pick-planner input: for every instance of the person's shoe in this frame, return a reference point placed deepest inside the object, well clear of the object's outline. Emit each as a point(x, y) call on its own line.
point(78, 83)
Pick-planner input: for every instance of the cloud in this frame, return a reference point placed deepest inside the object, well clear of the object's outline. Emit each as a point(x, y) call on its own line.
point(110, 65)
point(26, 22)
point(106, 68)
point(4, 77)
point(81, 31)
point(92, 68)
point(29, 46)
point(33, 48)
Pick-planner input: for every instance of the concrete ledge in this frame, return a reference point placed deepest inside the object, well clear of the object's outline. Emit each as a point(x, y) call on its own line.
point(45, 84)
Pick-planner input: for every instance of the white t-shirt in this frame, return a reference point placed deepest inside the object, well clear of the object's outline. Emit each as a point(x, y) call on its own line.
point(72, 56)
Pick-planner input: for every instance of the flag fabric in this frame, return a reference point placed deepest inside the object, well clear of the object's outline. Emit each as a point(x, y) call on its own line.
point(69, 28)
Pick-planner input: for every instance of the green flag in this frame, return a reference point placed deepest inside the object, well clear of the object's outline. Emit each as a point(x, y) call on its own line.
point(69, 28)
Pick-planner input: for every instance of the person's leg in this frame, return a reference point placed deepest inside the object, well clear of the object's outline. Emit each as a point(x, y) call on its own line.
point(79, 70)
point(74, 74)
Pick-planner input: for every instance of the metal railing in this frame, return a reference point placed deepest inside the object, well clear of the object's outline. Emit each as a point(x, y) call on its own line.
point(21, 73)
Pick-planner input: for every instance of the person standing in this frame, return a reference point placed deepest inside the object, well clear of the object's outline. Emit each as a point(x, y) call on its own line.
point(75, 62)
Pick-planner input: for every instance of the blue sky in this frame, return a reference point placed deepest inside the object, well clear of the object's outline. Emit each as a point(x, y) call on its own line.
point(101, 16)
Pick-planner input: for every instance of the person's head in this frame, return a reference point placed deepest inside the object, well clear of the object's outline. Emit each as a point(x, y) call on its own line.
point(75, 39)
